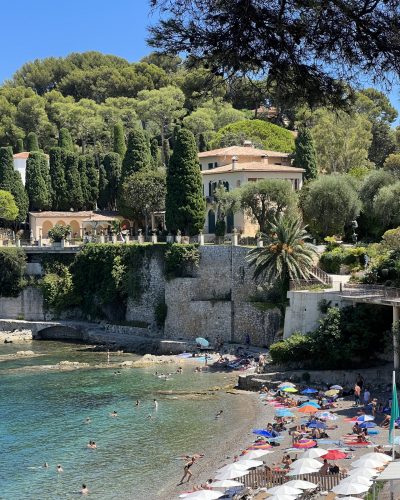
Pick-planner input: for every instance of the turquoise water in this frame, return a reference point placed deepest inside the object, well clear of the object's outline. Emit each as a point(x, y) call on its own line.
point(42, 419)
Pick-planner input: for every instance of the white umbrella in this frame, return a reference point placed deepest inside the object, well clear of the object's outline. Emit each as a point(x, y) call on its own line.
point(288, 384)
point(314, 453)
point(350, 488)
point(350, 498)
point(369, 462)
point(234, 466)
point(225, 483)
point(232, 474)
point(361, 471)
point(250, 463)
point(307, 462)
point(301, 485)
point(282, 496)
point(202, 495)
point(356, 479)
point(254, 454)
point(285, 490)
point(302, 469)
point(380, 456)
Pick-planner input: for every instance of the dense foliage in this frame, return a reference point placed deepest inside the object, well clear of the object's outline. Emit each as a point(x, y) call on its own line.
point(181, 260)
point(12, 269)
point(8, 207)
point(10, 180)
point(305, 155)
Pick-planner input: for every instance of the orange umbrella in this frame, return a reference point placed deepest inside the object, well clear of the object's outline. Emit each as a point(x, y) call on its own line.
point(308, 409)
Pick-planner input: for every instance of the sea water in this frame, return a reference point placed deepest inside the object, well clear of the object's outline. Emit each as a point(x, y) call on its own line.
point(42, 419)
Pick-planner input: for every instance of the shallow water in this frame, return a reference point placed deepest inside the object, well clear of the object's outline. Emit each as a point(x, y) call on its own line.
point(42, 419)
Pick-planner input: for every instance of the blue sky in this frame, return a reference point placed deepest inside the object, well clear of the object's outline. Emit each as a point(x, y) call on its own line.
point(42, 28)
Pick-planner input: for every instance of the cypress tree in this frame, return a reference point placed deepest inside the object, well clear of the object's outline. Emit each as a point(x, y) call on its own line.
point(19, 147)
point(32, 143)
point(166, 152)
point(58, 182)
point(10, 180)
point(185, 205)
point(65, 140)
point(92, 182)
point(112, 167)
point(119, 140)
point(202, 143)
point(155, 152)
point(37, 182)
point(84, 181)
point(72, 178)
point(174, 136)
point(137, 156)
point(305, 156)
point(102, 199)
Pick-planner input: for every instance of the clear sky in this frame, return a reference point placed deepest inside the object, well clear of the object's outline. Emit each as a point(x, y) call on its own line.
point(42, 28)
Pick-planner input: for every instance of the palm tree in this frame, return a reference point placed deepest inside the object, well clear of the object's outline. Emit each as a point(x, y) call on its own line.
point(286, 255)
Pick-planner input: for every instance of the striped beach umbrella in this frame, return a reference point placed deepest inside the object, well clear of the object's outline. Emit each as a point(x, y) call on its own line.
point(305, 444)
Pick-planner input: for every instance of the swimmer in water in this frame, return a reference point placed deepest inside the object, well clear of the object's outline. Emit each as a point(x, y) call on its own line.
point(155, 404)
point(45, 465)
point(137, 402)
point(114, 414)
point(87, 420)
point(219, 413)
point(59, 468)
point(149, 415)
point(84, 490)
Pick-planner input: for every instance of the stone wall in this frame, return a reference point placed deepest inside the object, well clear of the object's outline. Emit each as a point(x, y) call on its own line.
point(28, 305)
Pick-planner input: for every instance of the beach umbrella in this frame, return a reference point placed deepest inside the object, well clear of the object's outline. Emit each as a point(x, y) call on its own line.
point(305, 443)
point(350, 488)
point(316, 425)
point(309, 390)
point(265, 446)
point(314, 453)
point(334, 455)
point(302, 469)
point(367, 425)
point(326, 415)
point(232, 474)
point(361, 471)
point(225, 483)
point(284, 413)
point(289, 389)
point(282, 496)
point(308, 409)
point(301, 485)
point(336, 387)
point(263, 432)
point(203, 342)
point(365, 418)
point(350, 498)
point(286, 384)
point(253, 454)
point(202, 495)
point(308, 462)
point(369, 462)
point(381, 456)
point(331, 392)
point(249, 464)
point(310, 403)
point(240, 466)
point(357, 479)
point(284, 489)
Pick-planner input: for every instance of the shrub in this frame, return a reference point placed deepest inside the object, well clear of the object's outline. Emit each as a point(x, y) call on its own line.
point(297, 347)
point(181, 260)
point(12, 269)
point(57, 289)
point(391, 239)
point(331, 261)
point(59, 232)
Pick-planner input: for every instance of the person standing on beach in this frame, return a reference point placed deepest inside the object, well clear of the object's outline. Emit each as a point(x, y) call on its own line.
point(357, 393)
point(367, 396)
point(186, 470)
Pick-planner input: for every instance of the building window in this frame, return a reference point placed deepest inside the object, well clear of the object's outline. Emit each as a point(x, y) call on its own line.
point(252, 179)
point(210, 166)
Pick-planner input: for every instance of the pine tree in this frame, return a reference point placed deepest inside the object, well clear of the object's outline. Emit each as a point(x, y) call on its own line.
point(84, 181)
point(166, 152)
point(137, 156)
point(305, 156)
point(155, 152)
point(19, 147)
point(72, 178)
point(32, 143)
point(92, 182)
point(102, 200)
point(119, 140)
point(10, 180)
point(37, 182)
point(65, 140)
point(185, 205)
point(202, 143)
point(112, 167)
point(58, 182)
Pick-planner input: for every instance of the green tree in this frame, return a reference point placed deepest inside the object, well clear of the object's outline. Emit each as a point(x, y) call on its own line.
point(73, 181)
point(65, 140)
point(12, 265)
point(19, 148)
point(142, 194)
point(36, 183)
point(58, 182)
point(387, 206)
point(383, 143)
point(203, 146)
point(263, 135)
point(84, 180)
point(392, 164)
point(112, 167)
point(92, 182)
point(155, 152)
point(305, 156)
point(6, 168)
point(137, 156)
point(119, 139)
point(32, 143)
point(329, 203)
point(265, 199)
point(166, 152)
point(286, 255)
point(10, 180)
point(8, 207)
point(225, 202)
point(102, 200)
point(185, 205)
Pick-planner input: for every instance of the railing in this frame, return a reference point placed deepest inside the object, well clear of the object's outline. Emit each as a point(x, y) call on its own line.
point(321, 275)
point(260, 478)
point(377, 291)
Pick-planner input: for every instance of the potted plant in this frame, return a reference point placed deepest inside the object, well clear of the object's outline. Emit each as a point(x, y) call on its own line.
point(58, 233)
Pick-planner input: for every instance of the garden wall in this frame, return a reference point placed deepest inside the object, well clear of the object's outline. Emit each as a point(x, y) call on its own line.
point(28, 305)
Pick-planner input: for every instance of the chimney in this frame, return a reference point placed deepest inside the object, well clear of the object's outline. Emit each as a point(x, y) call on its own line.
point(234, 162)
point(247, 144)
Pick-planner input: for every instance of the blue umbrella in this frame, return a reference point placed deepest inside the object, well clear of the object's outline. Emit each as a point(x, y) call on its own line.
point(203, 342)
point(309, 390)
point(367, 425)
point(310, 403)
point(265, 433)
point(284, 413)
point(317, 425)
point(365, 418)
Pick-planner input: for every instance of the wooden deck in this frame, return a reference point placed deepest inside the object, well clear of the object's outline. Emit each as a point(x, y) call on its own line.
point(259, 478)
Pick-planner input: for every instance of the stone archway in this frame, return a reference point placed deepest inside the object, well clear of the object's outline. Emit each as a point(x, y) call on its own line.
point(46, 226)
point(75, 229)
point(61, 223)
point(60, 332)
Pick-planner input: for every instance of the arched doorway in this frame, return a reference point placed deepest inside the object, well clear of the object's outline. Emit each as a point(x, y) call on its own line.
point(229, 221)
point(61, 223)
point(211, 221)
point(75, 229)
point(47, 225)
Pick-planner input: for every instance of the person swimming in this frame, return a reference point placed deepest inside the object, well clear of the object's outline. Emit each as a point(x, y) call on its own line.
point(88, 420)
point(137, 402)
point(45, 465)
point(219, 413)
point(84, 490)
point(92, 445)
point(59, 468)
point(155, 404)
point(114, 414)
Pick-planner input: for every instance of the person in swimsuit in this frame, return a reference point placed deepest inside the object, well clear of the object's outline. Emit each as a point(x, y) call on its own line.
point(84, 490)
point(59, 468)
point(187, 471)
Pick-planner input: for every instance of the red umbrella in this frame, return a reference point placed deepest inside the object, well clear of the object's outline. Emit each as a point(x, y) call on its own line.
point(334, 455)
point(305, 443)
